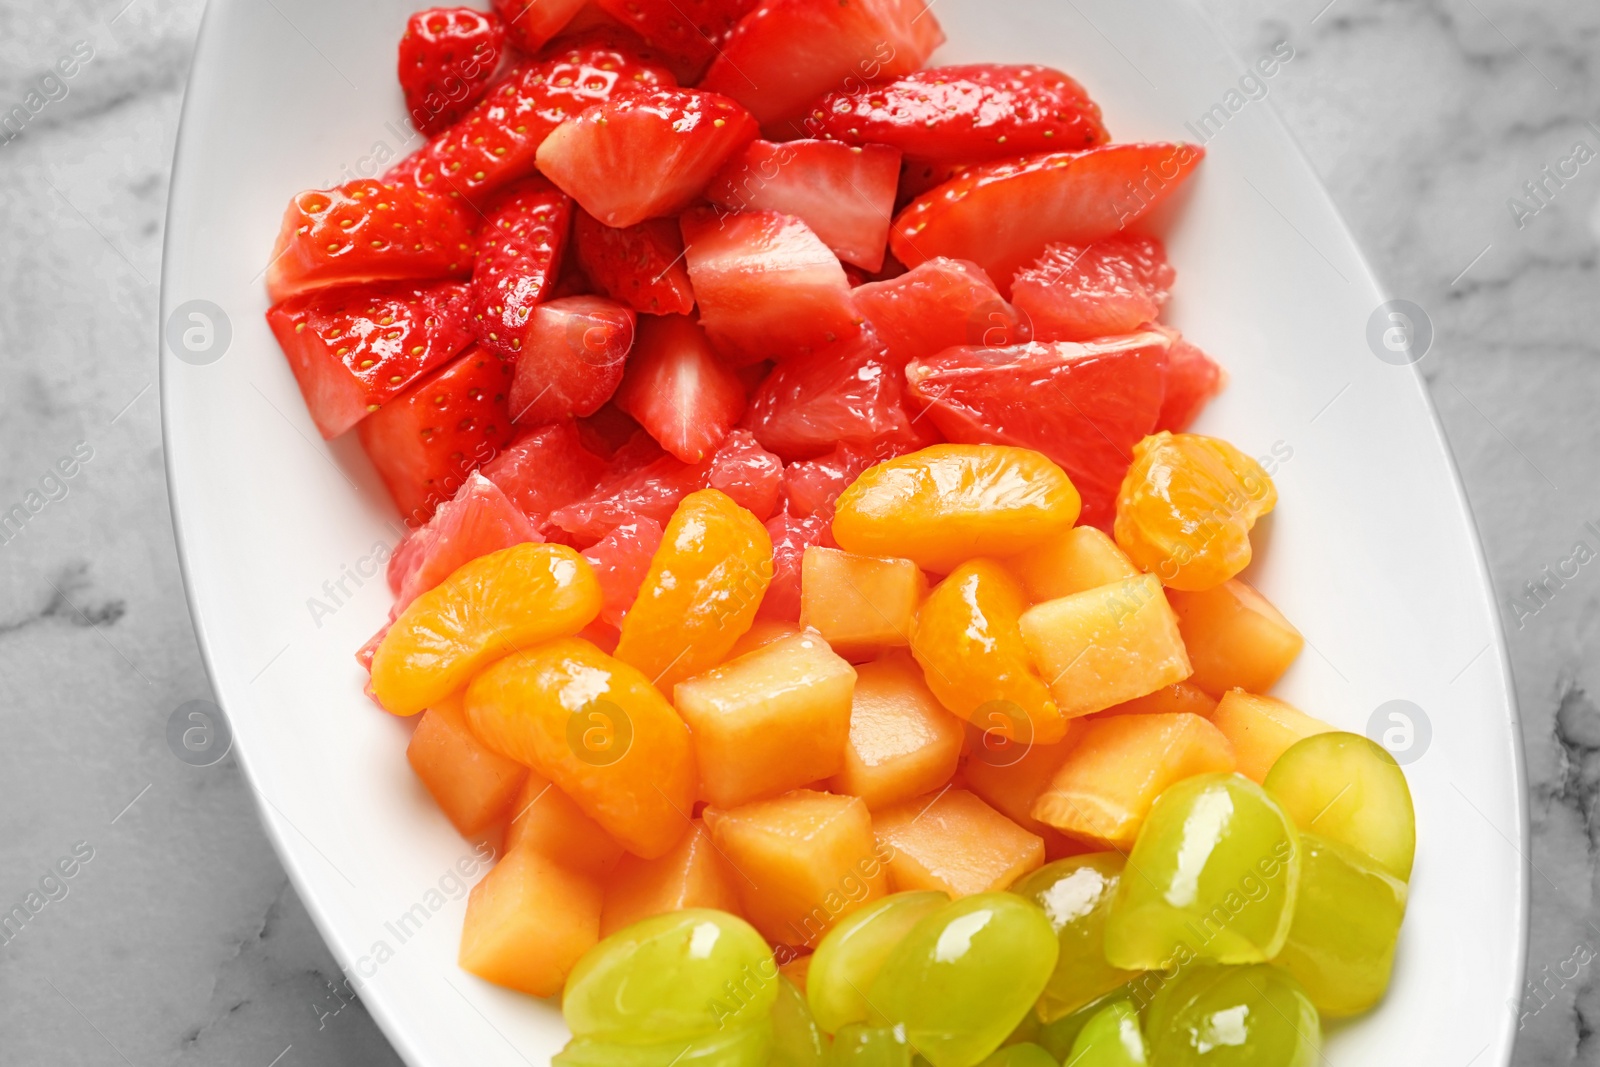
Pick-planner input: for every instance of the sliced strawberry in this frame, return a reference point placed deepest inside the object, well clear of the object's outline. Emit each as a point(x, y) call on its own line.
point(545, 469)
point(1003, 215)
point(351, 349)
point(791, 536)
point(642, 265)
point(787, 53)
point(478, 520)
point(852, 395)
point(1080, 292)
point(811, 487)
point(937, 305)
point(688, 32)
point(918, 177)
point(1083, 405)
point(533, 22)
point(1193, 378)
point(571, 359)
point(967, 114)
point(768, 287)
point(427, 440)
point(366, 231)
point(447, 58)
point(645, 154)
point(496, 142)
point(519, 256)
point(678, 390)
point(846, 195)
point(620, 560)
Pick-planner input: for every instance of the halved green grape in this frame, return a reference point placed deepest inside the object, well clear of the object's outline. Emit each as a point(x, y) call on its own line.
point(1076, 896)
point(1212, 876)
point(848, 959)
point(797, 1040)
point(1111, 1038)
point(860, 1045)
point(738, 1046)
point(965, 975)
point(679, 975)
point(1254, 1016)
point(1348, 789)
point(1341, 945)
point(1023, 1054)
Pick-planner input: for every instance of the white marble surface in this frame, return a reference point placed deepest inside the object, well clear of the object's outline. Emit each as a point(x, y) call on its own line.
point(180, 940)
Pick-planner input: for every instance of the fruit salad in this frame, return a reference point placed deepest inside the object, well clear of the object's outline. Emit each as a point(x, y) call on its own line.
point(812, 589)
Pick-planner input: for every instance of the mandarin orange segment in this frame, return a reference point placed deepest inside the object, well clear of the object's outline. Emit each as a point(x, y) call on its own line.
point(903, 742)
point(1079, 559)
point(1261, 729)
point(860, 604)
point(1186, 508)
point(693, 874)
point(528, 923)
point(493, 606)
point(701, 592)
point(549, 821)
point(1236, 638)
point(947, 504)
point(972, 653)
point(599, 730)
point(471, 784)
point(954, 842)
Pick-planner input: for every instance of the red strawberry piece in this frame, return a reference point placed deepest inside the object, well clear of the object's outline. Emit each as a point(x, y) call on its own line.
point(678, 390)
point(768, 287)
point(478, 520)
point(545, 469)
point(366, 231)
point(787, 53)
point(937, 305)
point(646, 154)
point(811, 487)
point(845, 194)
point(447, 58)
point(852, 395)
point(427, 440)
point(1003, 215)
point(642, 265)
point(519, 257)
point(620, 560)
point(1080, 292)
point(688, 32)
point(967, 114)
point(351, 349)
point(1193, 378)
point(1083, 405)
point(496, 142)
point(533, 22)
point(918, 177)
point(571, 359)
point(791, 536)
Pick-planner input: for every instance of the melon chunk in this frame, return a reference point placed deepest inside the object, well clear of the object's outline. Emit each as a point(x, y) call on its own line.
point(551, 822)
point(859, 604)
point(804, 861)
point(472, 785)
point(692, 875)
point(528, 923)
point(903, 743)
point(1235, 637)
point(1261, 729)
point(954, 842)
point(762, 633)
point(769, 721)
point(1009, 776)
point(1103, 790)
point(1083, 558)
point(1110, 644)
point(1178, 698)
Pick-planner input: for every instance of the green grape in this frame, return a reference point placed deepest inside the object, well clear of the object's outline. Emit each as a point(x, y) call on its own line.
point(1058, 1037)
point(1254, 1016)
point(1024, 1054)
point(1076, 896)
point(797, 1041)
point(739, 1046)
point(964, 976)
point(1341, 946)
point(1212, 876)
point(1348, 789)
point(679, 975)
point(850, 956)
point(860, 1045)
point(1111, 1038)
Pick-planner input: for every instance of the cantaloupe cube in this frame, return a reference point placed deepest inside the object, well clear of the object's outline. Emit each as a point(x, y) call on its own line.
point(528, 923)
point(1235, 637)
point(769, 721)
point(1009, 776)
point(1180, 698)
point(1261, 728)
point(859, 604)
point(954, 842)
point(762, 633)
point(472, 785)
point(903, 742)
point(1104, 788)
point(1107, 645)
point(1082, 559)
point(693, 875)
point(803, 861)
point(549, 821)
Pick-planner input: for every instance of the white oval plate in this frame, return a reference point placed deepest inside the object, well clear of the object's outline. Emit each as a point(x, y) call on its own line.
point(1372, 550)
